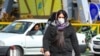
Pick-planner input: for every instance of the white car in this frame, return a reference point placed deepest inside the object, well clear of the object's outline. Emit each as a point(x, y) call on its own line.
point(17, 34)
point(94, 45)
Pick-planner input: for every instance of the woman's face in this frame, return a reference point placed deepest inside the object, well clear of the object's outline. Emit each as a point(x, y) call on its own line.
point(37, 27)
point(61, 18)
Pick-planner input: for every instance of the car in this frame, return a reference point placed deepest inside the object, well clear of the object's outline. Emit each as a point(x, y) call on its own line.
point(94, 45)
point(18, 34)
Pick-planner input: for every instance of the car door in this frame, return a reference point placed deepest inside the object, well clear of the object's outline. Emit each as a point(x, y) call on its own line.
point(34, 41)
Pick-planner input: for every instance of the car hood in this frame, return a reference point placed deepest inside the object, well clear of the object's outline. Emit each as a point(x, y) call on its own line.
point(4, 36)
point(97, 37)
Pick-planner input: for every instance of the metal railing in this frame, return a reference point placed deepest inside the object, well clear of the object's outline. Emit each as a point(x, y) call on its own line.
point(74, 24)
point(4, 23)
point(91, 25)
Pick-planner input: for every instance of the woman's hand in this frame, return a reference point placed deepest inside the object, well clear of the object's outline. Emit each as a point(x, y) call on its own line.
point(42, 50)
point(47, 53)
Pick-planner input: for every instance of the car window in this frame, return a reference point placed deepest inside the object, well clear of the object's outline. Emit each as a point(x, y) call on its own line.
point(17, 27)
point(38, 29)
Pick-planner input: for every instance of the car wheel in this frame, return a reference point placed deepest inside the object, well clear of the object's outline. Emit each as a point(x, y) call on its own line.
point(17, 52)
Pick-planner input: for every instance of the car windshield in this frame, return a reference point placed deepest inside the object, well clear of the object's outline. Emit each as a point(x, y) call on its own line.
point(18, 27)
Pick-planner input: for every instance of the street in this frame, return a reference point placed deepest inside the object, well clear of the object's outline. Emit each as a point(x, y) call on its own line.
point(73, 55)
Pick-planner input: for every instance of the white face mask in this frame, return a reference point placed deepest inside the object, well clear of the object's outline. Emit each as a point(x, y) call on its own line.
point(61, 20)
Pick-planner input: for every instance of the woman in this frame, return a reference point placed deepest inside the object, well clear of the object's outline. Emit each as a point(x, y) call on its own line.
point(60, 37)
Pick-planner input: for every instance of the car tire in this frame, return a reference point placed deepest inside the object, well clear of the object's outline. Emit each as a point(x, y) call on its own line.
point(18, 52)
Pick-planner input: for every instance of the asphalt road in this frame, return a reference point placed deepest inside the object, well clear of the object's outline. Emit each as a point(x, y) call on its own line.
point(87, 53)
point(73, 55)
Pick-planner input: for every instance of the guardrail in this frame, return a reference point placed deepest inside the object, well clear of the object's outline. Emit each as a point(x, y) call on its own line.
point(5, 23)
point(93, 26)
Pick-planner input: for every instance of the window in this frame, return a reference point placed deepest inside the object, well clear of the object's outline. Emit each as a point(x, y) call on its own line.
point(17, 27)
point(38, 29)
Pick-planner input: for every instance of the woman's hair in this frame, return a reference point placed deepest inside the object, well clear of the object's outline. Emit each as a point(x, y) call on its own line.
point(59, 40)
point(62, 12)
point(52, 17)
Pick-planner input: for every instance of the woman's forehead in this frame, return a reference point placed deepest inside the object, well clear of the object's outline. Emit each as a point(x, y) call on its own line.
point(61, 15)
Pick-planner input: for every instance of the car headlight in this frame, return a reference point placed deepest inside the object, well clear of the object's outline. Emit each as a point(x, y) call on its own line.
point(2, 43)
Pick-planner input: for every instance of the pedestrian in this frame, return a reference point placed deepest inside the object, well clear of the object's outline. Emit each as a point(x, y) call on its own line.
point(60, 37)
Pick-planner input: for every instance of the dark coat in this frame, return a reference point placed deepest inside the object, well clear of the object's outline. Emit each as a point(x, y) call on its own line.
point(70, 40)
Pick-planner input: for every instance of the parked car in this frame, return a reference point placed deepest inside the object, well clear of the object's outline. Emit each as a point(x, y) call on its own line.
point(17, 34)
point(94, 45)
